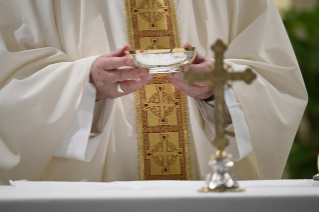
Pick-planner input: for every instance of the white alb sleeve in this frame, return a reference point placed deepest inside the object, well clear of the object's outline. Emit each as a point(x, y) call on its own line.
point(242, 137)
point(76, 143)
point(240, 145)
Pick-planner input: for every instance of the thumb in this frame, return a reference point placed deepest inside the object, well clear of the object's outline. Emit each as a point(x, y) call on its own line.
point(119, 52)
point(186, 44)
point(198, 57)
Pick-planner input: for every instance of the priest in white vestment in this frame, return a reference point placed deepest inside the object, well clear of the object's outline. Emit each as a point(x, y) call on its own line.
point(51, 128)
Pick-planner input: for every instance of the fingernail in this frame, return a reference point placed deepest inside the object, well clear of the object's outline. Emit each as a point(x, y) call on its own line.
point(177, 75)
point(143, 72)
point(149, 77)
point(130, 61)
point(173, 75)
point(137, 79)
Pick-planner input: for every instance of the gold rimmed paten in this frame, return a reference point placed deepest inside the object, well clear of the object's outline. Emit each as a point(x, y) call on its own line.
point(154, 51)
point(160, 61)
point(161, 110)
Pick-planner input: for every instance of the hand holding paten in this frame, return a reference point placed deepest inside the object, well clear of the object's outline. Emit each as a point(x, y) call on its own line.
point(199, 89)
point(108, 77)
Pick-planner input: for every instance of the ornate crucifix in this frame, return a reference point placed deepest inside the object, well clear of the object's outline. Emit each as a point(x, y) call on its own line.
point(220, 180)
point(218, 77)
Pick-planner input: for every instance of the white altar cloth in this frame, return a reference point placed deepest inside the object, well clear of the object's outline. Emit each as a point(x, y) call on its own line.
point(270, 195)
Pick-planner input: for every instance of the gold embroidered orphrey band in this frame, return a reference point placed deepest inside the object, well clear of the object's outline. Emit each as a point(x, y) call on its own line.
point(161, 110)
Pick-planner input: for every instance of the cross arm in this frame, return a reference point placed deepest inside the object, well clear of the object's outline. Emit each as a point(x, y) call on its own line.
point(191, 76)
point(248, 76)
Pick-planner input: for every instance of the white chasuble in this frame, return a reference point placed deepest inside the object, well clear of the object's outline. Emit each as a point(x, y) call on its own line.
point(46, 52)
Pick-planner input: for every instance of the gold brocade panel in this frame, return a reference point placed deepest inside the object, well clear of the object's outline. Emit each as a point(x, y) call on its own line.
point(162, 116)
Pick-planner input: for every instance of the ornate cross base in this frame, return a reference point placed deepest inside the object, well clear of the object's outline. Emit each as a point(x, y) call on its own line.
point(221, 180)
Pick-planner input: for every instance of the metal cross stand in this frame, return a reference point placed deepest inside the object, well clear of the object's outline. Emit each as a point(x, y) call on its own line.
point(220, 180)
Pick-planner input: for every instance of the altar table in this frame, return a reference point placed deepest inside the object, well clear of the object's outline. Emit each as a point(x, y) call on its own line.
point(153, 196)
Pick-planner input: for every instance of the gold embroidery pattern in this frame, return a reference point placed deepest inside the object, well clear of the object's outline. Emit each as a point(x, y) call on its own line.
point(161, 110)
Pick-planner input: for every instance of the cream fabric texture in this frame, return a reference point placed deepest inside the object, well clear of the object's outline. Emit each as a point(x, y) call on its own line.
point(47, 48)
point(77, 144)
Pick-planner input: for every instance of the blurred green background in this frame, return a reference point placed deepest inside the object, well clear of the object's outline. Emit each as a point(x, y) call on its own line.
point(301, 19)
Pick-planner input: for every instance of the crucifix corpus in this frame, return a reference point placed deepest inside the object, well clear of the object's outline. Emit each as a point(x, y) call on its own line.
point(220, 180)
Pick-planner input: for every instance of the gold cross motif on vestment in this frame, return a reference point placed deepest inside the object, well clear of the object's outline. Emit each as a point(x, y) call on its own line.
point(151, 11)
point(218, 77)
point(161, 104)
point(164, 153)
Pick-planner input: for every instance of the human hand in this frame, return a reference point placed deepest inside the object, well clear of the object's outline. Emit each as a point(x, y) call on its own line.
point(199, 90)
point(106, 76)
